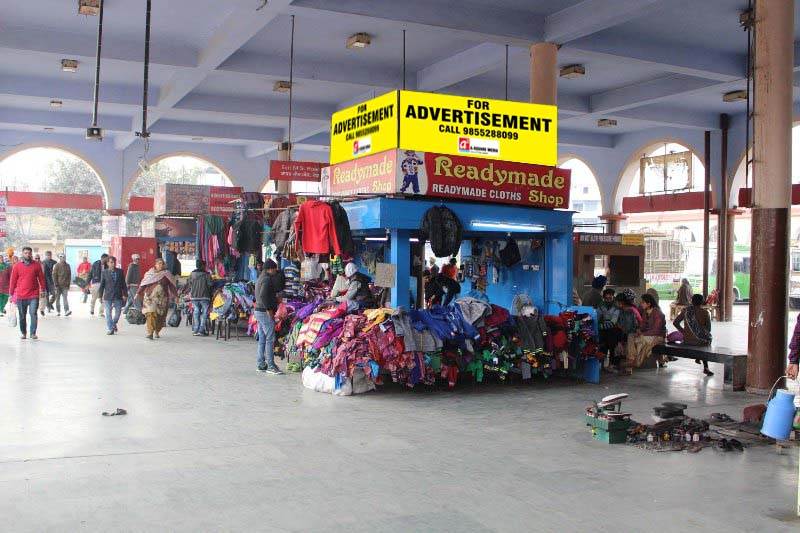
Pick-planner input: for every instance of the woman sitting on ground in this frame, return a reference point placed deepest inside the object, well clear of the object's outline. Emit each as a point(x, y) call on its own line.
point(697, 328)
point(651, 333)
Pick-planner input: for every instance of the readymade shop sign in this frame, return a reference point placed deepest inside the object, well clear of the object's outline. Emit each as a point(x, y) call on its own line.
point(453, 125)
point(449, 176)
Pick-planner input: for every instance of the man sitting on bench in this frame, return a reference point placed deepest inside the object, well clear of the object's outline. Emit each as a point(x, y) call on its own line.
point(697, 328)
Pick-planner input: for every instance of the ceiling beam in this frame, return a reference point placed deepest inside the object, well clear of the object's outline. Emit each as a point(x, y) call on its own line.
point(472, 62)
point(587, 139)
point(479, 22)
point(591, 16)
point(671, 116)
point(646, 93)
point(241, 25)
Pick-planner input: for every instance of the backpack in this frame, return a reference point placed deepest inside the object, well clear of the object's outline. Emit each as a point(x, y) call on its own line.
point(134, 316)
point(510, 255)
point(443, 229)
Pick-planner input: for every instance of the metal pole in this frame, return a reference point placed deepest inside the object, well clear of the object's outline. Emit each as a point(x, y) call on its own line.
point(291, 86)
point(97, 66)
point(706, 210)
point(146, 82)
point(724, 291)
point(404, 60)
point(506, 72)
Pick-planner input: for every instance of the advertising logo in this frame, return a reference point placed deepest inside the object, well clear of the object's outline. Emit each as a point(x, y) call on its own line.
point(485, 147)
point(362, 146)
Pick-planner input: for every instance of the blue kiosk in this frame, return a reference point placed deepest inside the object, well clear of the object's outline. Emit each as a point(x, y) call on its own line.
point(545, 274)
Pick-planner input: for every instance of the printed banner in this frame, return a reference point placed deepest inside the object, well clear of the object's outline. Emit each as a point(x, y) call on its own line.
point(294, 170)
point(180, 199)
point(478, 127)
point(470, 178)
point(375, 174)
point(220, 198)
point(628, 239)
point(364, 129)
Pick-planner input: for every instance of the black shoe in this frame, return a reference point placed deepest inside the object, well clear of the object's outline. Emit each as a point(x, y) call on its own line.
point(110, 332)
point(275, 371)
point(261, 369)
point(708, 372)
point(68, 313)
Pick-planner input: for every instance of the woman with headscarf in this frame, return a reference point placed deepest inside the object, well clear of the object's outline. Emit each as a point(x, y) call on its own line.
point(156, 290)
point(653, 330)
point(694, 325)
point(684, 296)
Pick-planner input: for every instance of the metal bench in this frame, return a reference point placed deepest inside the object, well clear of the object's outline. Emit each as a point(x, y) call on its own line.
point(735, 362)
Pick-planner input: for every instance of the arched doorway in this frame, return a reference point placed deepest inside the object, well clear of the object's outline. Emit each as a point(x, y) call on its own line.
point(585, 197)
point(50, 170)
point(674, 239)
point(179, 168)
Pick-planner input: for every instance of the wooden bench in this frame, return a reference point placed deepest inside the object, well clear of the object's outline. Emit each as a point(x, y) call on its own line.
point(735, 362)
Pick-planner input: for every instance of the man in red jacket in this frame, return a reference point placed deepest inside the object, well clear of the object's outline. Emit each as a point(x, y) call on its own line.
point(27, 286)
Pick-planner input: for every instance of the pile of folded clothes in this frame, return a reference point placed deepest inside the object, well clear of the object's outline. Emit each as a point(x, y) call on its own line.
point(424, 346)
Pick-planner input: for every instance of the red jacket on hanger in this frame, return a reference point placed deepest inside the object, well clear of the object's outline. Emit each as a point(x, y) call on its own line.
point(315, 225)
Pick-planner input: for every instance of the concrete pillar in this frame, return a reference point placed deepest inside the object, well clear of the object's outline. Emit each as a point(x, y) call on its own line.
point(614, 222)
point(724, 244)
point(772, 178)
point(730, 226)
point(544, 73)
point(284, 187)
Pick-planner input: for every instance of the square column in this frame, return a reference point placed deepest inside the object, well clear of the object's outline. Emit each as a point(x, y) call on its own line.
point(400, 257)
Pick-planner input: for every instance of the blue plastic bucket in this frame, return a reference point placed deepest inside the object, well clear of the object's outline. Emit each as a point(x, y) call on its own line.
point(779, 416)
point(591, 370)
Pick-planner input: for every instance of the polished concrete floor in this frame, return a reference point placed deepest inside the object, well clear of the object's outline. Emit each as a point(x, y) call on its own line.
point(209, 444)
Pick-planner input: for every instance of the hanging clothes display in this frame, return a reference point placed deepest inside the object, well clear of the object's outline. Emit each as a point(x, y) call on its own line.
point(316, 228)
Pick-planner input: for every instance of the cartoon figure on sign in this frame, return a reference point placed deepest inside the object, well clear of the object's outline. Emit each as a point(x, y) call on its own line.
point(410, 167)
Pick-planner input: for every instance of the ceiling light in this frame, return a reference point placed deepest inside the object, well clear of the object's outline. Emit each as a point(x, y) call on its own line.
point(197, 139)
point(606, 123)
point(572, 71)
point(735, 96)
point(500, 226)
point(376, 239)
point(88, 7)
point(49, 129)
point(94, 133)
point(56, 103)
point(69, 65)
point(282, 86)
point(359, 40)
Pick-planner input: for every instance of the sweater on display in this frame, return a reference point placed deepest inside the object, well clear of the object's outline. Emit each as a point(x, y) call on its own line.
point(317, 229)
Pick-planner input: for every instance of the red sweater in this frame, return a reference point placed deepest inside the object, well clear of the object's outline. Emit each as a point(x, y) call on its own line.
point(315, 224)
point(27, 281)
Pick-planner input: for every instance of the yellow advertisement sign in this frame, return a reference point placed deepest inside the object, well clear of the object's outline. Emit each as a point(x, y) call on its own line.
point(364, 129)
point(478, 127)
point(633, 239)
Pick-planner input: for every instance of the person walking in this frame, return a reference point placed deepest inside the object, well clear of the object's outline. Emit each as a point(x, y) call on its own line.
point(694, 325)
point(26, 287)
point(85, 273)
point(132, 279)
point(156, 290)
point(200, 292)
point(5, 279)
point(48, 265)
point(113, 292)
point(96, 274)
point(62, 278)
point(268, 292)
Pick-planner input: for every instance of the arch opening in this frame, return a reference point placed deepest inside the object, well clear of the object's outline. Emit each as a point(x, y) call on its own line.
point(585, 197)
point(48, 169)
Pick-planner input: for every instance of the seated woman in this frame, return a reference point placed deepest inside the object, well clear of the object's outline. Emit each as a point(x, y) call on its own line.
point(651, 333)
point(697, 328)
point(628, 321)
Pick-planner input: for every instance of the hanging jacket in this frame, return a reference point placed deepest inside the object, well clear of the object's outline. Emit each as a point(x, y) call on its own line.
point(316, 227)
point(342, 225)
point(443, 229)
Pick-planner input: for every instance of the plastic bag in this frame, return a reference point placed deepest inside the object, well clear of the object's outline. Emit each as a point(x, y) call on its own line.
point(11, 315)
point(310, 269)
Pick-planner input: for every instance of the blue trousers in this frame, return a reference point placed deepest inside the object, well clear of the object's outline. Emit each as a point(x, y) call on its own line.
point(266, 340)
point(28, 307)
point(200, 315)
point(116, 306)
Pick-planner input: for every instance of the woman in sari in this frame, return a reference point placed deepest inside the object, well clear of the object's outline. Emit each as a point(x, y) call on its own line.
point(156, 290)
point(652, 332)
point(684, 295)
point(694, 324)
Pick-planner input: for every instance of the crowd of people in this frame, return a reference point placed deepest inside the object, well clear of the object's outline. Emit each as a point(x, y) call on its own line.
point(630, 329)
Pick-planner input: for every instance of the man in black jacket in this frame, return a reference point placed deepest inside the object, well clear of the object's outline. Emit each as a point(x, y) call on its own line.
point(98, 267)
point(113, 291)
point(132, 279)
point(47, 266)
point(268, 295)
point(200, 292)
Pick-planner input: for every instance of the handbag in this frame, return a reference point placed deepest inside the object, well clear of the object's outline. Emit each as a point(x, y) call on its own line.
point(11, 315)
point(174, 319)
